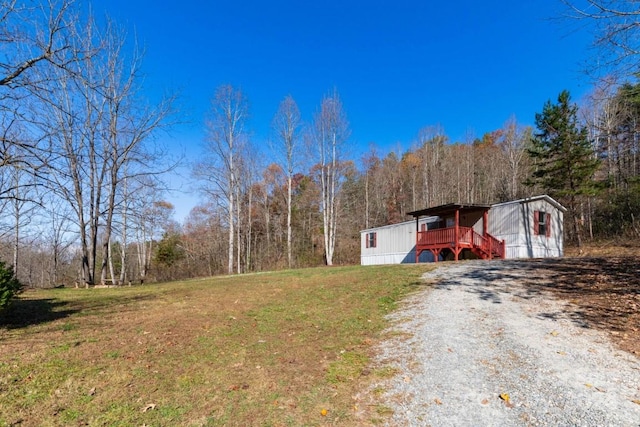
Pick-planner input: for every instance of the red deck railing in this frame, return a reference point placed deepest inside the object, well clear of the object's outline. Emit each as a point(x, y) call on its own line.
point(441, 238)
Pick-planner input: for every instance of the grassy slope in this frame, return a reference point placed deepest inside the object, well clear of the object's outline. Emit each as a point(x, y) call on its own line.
point(264, 349)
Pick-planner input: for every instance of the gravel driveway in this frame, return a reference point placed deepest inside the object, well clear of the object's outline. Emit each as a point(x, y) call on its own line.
point(480, 350)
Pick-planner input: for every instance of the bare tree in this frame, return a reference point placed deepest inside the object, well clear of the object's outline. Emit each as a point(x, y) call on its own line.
point(147, 216)
point(58, 233)
point(204, 240)
point(97, 126)
point(617, 29)
point(34, 37)
point(128, 125)
point(513, 141)
point(601, 113)
point(245, 205)
point(286, 124)
point(22, 209)
point(431, 142)
point(331, 132)
point(225, 139)
point(32, 34)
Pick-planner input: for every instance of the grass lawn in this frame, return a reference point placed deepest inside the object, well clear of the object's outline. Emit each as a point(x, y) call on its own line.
point(273, 349)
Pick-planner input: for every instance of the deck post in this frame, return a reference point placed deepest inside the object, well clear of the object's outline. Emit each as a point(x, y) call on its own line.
point(456, 250)
point(485, 231)
point(485, 223)
point(417, 240)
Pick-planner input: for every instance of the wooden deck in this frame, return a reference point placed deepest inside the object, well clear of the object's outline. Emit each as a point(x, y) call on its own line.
point(456, 239)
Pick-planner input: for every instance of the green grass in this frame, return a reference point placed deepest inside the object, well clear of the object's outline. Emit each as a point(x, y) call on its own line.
point(265, 349)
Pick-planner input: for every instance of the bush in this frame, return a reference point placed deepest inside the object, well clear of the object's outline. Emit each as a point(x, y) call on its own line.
point(9, 285)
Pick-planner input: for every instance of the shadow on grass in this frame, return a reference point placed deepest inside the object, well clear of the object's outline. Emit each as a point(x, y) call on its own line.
point(28, 312)
point(603, 293)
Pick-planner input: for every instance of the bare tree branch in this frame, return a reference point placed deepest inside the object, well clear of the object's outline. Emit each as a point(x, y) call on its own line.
point(616, 25)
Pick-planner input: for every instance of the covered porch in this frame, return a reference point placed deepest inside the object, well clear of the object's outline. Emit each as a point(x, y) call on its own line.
point(459, 227)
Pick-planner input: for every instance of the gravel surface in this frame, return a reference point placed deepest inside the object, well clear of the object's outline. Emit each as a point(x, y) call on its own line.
point(478, 334)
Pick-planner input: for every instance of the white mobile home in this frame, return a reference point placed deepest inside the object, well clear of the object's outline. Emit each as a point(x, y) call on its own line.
point(530, 228)
point(526, 228)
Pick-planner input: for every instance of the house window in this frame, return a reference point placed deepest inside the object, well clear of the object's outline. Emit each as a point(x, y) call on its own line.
point(371, 240)
point(542, 223)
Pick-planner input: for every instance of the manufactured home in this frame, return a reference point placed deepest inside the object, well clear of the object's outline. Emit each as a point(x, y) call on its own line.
point(525, 228)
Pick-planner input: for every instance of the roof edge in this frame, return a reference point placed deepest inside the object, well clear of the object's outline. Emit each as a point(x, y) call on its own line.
point(437, 210)
point(533, 199)
point(411, 221)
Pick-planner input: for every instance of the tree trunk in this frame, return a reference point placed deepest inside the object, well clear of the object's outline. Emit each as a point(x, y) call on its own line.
point(231, 232)
point(111, 271)
point(289, 250)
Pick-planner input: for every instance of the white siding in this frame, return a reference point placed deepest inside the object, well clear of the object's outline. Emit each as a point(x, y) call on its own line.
point(513, 222)
point(505, 224)
point(395, 244)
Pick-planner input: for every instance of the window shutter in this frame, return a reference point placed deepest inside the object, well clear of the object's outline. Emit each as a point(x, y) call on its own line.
point(366, 238)
point(547, 224)
point(536, 223)
point(375, 240)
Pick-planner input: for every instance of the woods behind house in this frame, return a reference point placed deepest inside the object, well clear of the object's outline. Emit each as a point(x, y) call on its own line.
point(82, 178)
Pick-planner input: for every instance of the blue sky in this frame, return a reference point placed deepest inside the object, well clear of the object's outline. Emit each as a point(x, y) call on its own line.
point(398, 66)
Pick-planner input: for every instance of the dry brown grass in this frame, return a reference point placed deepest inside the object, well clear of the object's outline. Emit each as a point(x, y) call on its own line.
point(606, 248)
point(601, 280)
point(265, 349)
point(602, 292)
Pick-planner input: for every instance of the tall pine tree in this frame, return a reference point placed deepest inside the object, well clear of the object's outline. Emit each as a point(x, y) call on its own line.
point(564, 161)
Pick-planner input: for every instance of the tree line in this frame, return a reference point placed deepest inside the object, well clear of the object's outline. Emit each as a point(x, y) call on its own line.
point(81, 179)
point(309, 206)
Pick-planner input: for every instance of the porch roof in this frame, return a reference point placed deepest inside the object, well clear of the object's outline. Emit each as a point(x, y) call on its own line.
point(449, 209)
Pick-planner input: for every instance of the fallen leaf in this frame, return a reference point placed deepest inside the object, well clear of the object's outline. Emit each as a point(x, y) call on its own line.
point(588, 385)
point(149, 407)
point(92, 391)
point(324, 412)
point(554, 333)
point(636, 401)
point(507, 400)
point(437, 401)
point(562, 353)
point(485, 402)
point(407, 379)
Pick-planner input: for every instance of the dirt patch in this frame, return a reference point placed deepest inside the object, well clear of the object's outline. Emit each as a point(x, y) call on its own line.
point(602, 292)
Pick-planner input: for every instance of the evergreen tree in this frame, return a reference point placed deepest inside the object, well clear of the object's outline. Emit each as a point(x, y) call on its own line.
point(564, 161)
point(9, 285)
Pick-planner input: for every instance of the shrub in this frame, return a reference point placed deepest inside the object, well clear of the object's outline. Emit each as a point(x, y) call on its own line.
point(9, 285)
